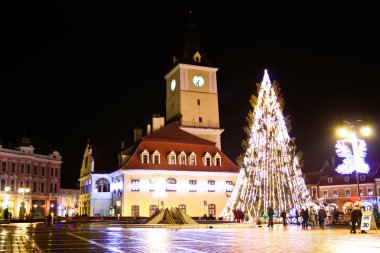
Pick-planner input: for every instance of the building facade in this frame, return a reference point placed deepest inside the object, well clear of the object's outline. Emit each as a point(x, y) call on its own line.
point(179, 161)
point(30, 182)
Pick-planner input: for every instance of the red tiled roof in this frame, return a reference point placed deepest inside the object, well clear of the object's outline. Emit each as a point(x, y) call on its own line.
point(172, 138)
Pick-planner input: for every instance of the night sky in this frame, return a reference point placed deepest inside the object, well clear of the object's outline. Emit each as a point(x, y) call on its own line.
point(73, 71)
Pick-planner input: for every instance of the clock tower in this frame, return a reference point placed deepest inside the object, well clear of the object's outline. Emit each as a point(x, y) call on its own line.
point(191, 90)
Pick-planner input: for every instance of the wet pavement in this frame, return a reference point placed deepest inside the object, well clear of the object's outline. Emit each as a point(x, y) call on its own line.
point(101, 237)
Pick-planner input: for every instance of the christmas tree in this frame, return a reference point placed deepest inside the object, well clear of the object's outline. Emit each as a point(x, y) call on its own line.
point(270, 174)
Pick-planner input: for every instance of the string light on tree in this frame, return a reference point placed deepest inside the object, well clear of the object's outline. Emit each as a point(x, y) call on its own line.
point(270, 174)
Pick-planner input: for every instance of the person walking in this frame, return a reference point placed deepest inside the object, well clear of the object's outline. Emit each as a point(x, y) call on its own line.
point(313, 216)
point(322, 214)
point(305, 217)
point(356, 215)
point(270, 217)
point(283, 215)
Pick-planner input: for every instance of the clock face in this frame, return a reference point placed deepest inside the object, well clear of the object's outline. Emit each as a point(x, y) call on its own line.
point(198, 81)
point(173, 84)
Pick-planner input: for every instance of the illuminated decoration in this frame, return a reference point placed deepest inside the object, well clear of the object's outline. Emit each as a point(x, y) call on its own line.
point(270, 174)
point(354, 157)
point(354, 160)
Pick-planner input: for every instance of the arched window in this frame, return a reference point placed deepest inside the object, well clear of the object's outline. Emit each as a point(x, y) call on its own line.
point(102, 185)
point(171, 185)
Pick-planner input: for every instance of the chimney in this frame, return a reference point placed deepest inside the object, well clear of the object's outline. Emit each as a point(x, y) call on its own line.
point(157, 122)
point(148, 129)
point(137, 134)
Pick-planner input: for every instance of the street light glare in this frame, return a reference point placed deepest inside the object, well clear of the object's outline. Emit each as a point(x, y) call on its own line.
point(342, 132)
point(365, 131)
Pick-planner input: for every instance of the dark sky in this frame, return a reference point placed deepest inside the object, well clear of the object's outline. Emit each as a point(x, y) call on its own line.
point(73, 71)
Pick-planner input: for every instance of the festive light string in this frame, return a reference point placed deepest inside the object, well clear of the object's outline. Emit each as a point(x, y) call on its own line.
point(270, 175)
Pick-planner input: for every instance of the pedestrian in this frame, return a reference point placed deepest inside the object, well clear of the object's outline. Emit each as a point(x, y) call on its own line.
point(283, 216)
point(335, 216)
point(297, 216)
point(270, 217)
point(313, 217)
point(322, 217)
point(305, 217)
point(356, 216)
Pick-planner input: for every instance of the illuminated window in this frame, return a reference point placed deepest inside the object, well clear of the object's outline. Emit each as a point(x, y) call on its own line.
point(172, 158)
point(370, 191)
point(182, 158)
point(362, 178)
point(211, 184)
point(335, 193)
point(361, 191)
point(144, 157)
point(206, 159)
point(171, 185)
point(192, 159)
point(229, 186)
point(347, 192)
point(135, 211)
point(211, 209)
point(182, 207)
point(325, 193)
point(156, 157)
point(346, 179)
point(193, 187)
point(329, 180)
point(152, 209)
point(135, 185)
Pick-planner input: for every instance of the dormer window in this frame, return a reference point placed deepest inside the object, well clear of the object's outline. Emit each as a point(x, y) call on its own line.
point(207, 159)
point(192, 159)
point(362, 178)
point(197, 57)
point(329, 180)
point(172, 158)
point(346, 179)
point(217, 159)
point(144, 157)
point(182, 158)
point(156, 157)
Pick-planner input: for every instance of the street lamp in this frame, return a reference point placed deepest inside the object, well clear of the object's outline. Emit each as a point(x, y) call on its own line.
point(22, 211)
point(159, 188)
point(354, 157)
point(6, 197)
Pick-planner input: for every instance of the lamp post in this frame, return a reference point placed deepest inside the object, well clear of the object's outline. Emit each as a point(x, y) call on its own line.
point(6, 197)
point(22, 211)
point(354, 157)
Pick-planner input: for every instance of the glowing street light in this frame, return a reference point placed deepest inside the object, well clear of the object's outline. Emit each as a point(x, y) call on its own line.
point(159, 188)
point(22, 211)
point(354, 157)
point(6, 197)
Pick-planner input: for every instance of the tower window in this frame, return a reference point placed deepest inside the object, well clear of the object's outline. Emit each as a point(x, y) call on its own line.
point(199, 102)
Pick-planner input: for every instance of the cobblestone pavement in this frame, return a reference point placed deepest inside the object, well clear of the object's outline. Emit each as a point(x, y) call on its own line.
point(118, 238)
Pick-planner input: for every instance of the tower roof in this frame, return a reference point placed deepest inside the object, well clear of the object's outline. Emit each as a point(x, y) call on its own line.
point(191, 44)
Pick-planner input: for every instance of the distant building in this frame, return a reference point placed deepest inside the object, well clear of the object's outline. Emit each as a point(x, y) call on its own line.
point(179, 162)
point(341, 191)
point(68, 202)
point(30, 182)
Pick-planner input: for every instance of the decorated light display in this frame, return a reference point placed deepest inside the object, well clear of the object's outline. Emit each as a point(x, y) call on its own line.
point(354, 156)
point(270, 174)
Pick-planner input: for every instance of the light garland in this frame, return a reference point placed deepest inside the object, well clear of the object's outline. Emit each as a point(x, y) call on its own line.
point(270, 175)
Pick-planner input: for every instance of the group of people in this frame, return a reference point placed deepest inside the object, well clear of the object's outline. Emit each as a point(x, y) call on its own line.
point(313, 216)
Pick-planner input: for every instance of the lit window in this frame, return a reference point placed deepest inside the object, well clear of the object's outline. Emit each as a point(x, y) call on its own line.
point(144, 157)
point(171, 185)
point(207, 159)
point(193, 185)
point(325, 193)
point(346, 179)
point(211, 184)
point(182, 158)
point(192, 159)
point(335, 193)
point(229, 186)
point(172, 158)
point(370, 191)
point(329, 180)
point(156, 157)
point(347, 192)
point(361, 191)
point(135, 185)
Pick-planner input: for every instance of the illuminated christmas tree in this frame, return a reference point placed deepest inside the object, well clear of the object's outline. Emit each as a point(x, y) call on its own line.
point(270, 174)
